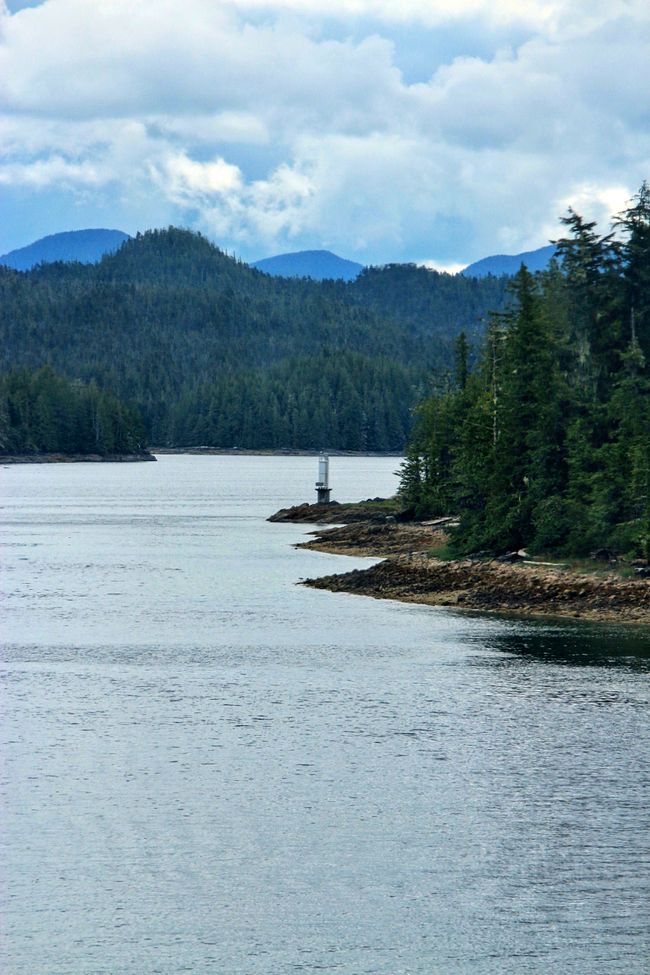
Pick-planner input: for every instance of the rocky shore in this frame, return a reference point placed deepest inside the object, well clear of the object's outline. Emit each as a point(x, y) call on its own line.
point(411, 573)
point(490, 586)
point(376, 539)
point(374, 511)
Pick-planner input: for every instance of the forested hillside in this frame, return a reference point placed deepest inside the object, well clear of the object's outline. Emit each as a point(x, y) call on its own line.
point(42, 412)
point(212, 351)
point(430, 304)
point(546, 443)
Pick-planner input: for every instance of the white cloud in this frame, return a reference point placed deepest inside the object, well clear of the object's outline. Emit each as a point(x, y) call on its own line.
point(447, 268)
point(48, 172)
point(596, 202)
point(209, 128)
point(250, 119)
point(192, 183)
point(546, 17)
point(427, 12)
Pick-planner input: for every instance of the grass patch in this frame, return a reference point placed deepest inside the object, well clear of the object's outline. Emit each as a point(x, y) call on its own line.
point(589, 567)
point(386, 505)
point(443, 552)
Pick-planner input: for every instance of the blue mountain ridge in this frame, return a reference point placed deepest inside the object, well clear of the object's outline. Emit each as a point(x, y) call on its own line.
point(86, 246)
point(89, 246)
point(499, 264)
point(318, 265)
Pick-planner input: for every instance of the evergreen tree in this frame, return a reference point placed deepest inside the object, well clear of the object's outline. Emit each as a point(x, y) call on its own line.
point(42, 412)
point(546, 442)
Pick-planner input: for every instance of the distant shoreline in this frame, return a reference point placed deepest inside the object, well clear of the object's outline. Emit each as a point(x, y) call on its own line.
point(278, 452)
point(58, 458)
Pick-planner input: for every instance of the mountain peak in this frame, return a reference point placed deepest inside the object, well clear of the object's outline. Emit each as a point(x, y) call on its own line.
point(499, 264)
point(316, 264)
point(85, 246)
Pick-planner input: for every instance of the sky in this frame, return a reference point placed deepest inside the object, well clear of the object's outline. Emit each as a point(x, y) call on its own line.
point(433, 131)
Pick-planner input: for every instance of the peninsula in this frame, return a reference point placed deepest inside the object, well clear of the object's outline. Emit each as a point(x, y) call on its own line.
point(415, 568)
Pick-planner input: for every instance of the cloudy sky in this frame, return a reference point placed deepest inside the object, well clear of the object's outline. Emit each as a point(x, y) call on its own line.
point(386, 130)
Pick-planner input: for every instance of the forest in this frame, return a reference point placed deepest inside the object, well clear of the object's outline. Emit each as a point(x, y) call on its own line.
point(544, 442)
point(42, 412)
point(209, 351)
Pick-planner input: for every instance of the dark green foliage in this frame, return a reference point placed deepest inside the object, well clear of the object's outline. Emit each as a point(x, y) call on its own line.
point(41, 412)
point(430, 303)
point(303, 403)
point(546, 444)
point(213, 352)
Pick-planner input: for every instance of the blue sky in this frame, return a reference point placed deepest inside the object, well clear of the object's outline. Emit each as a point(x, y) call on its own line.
point(426, 130)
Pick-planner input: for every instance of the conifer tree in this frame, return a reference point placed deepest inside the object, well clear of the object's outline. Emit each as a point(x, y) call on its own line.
point(546, 442)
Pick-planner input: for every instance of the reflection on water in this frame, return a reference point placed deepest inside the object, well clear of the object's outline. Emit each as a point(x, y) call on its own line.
point(210, 769)
point(579, 644)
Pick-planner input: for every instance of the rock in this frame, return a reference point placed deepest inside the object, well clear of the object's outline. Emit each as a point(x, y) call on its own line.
point(407, 514)
point(510, 557)
point(602, 555)
point(480, 556)
point(449, 521)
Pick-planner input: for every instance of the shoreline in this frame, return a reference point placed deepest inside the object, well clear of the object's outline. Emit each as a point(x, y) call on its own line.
point(268, 452)
point(57, 458)
point(410, 573)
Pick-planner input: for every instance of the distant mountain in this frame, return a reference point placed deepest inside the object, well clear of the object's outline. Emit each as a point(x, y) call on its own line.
point(86, 246)
point(510, 263)
point(318, 265)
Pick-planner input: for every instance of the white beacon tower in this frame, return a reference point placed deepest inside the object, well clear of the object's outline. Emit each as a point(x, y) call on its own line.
point(323, 490)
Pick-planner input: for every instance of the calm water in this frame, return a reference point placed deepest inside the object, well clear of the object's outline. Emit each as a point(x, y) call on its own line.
point(208, 769)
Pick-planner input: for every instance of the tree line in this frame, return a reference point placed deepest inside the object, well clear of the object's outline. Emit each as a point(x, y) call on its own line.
point(545, 442)
point(42, 412)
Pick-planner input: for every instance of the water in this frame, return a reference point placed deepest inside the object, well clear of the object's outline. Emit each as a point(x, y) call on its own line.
point(208, 769)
